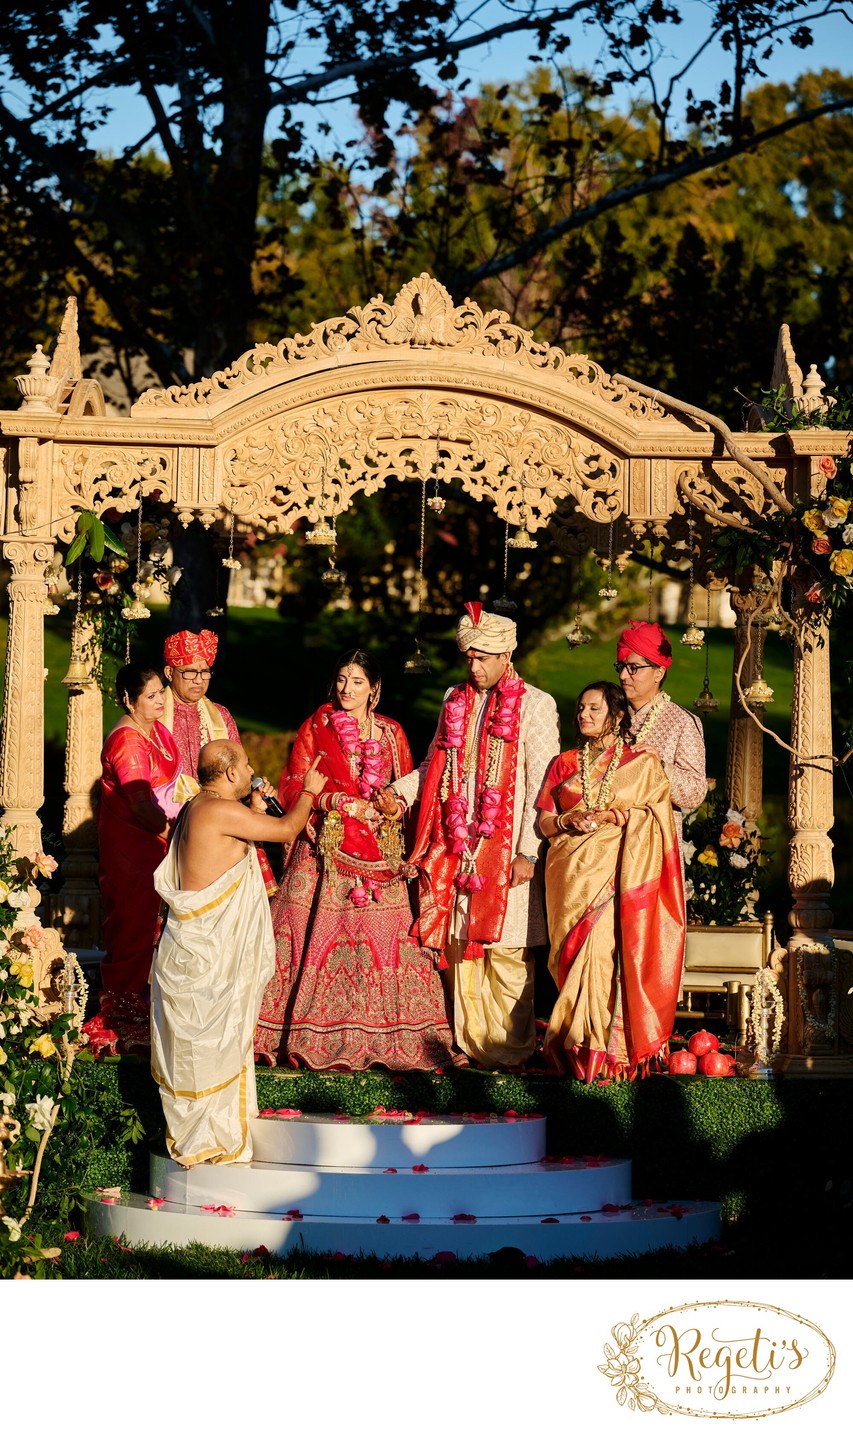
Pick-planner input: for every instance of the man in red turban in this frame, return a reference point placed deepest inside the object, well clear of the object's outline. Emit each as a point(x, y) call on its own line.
point(191, 717)
point(189, 714)
point(643, 655)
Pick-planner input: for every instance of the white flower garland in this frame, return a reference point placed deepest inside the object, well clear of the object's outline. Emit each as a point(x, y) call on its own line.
point(659, 703)
point(608, 783)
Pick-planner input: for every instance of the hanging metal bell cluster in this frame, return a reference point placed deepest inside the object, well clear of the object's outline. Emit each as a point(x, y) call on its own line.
point(693, 637)
point(706, 703)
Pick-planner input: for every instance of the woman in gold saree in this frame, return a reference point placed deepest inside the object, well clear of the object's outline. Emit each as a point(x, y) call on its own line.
point(615, 898)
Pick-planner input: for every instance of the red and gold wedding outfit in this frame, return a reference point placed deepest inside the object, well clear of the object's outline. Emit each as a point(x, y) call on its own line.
point(351, 987)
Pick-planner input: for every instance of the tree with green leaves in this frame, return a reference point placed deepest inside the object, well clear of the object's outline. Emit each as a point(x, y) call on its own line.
point(170, 252)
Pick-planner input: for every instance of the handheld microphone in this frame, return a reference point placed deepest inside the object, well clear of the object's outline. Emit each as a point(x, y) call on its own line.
point(273, 807)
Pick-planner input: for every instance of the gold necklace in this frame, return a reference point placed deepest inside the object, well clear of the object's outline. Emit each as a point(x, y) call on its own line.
point(607, 784)
point(211, 791)
point(659, 703)
point(159, 747)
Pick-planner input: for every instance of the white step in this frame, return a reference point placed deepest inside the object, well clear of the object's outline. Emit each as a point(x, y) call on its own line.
point(512, 1190)
point(641, 1228)
point(439, 1140)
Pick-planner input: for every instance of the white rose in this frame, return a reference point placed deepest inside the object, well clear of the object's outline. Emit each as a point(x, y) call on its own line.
point(847, 534)
point(19, 899)
point(688, 891)
point(39, 1113)
point(737, 860)
point(7, 1100)
point(732, 816)
point(831, 520)
point(14, 1228)
point(689, 850)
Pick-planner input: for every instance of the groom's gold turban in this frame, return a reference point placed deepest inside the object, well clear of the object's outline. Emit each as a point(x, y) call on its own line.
point(490, 633)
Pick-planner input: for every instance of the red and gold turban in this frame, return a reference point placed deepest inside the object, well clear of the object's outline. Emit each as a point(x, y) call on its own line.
point(180, 649)
point(648, 641)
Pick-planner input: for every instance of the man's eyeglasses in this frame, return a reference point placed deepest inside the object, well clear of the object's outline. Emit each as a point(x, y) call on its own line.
point(632, 669)
point(190, 675)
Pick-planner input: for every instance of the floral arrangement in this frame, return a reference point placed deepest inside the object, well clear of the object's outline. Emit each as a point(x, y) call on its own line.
point(723, 861)
point(42, 998)
point(814, 543)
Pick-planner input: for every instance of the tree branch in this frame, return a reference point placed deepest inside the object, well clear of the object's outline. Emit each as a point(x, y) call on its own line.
point(623, 194)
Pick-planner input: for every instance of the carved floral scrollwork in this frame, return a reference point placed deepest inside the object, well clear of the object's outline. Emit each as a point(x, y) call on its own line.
point(106, 478)
point(720, 487)
point(422, 316)
point(525, 464)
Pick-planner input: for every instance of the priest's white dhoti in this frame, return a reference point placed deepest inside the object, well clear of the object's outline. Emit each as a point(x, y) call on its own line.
point(214, 960)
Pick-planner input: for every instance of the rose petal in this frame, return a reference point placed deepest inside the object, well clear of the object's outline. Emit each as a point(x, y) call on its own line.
point(389, 1170)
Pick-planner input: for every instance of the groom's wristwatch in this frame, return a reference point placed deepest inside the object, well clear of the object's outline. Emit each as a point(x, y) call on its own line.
point(527, 858)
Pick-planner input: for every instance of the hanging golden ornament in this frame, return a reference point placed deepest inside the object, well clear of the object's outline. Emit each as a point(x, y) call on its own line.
point(322, 533)
point(333, 578)
point(521, 540)
point(437, 503)
point(609, 590)
point(505, 605)
point(759, 693)
point(231, 562)
point(576, 635)
point(216, 612)
point(418, 663)
point(692, 638)
point(706, 703)
point(136, 609)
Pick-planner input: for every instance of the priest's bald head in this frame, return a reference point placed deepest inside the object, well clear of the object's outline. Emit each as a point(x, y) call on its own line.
point(487, 641)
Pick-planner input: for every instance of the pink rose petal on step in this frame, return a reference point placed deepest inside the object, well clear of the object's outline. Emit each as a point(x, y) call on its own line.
point(389, 1170)
point(420, 1168)
point(411, 1217)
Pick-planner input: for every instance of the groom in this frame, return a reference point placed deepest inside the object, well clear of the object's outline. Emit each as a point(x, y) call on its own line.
point(478, 841)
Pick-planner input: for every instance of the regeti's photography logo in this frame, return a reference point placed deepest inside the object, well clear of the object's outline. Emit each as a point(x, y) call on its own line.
point(718, 1359)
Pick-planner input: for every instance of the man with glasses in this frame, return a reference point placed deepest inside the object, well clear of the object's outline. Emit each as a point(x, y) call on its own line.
point(643, 655)
point(189, 714)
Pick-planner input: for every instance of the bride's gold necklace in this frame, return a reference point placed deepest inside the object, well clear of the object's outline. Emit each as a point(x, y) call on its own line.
point(608, 783)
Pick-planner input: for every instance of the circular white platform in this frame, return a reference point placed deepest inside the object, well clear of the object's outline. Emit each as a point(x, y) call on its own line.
point(440, 1140)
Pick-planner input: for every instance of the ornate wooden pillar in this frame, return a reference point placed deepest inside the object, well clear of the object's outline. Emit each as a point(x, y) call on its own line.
point(814, 999)
point(22, 743)
point(76, 909)
point(745, 758)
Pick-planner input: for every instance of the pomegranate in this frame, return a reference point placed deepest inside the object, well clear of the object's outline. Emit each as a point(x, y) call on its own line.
point(716, 1065)
point(682, 1062)
point(703, 1042)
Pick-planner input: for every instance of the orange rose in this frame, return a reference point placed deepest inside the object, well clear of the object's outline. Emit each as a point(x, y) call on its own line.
point(821, 544)
point(827, 466)
point(732, 835)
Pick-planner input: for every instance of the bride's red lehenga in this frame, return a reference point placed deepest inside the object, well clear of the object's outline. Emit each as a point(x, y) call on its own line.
point(351, 987)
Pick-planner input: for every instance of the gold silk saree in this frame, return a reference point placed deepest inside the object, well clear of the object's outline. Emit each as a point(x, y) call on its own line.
point(616, 921)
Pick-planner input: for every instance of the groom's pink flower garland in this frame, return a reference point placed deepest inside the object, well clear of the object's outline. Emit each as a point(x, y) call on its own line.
point(502, 727)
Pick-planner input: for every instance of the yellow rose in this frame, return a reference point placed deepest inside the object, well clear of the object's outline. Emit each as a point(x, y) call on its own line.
point(709, 857)
point(813, 519)
point(22, 969)
point(837, 509)
point(44, 1046)
point(841, 562)
point(4, 891)
point(3, 1056)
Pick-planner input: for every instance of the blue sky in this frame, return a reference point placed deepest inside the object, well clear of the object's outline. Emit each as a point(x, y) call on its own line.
point(508, 60)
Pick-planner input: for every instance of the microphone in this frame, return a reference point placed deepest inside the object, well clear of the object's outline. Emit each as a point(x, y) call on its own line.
point(273, 807)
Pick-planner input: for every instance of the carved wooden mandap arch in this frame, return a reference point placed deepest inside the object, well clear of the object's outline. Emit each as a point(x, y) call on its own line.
point(302, 428)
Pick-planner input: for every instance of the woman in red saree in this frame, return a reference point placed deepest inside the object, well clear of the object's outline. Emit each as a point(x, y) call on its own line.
point(351, 988)
point(141, 767)
point(615, 898)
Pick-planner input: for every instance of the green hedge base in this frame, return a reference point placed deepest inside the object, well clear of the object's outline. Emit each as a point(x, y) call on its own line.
point(756, 1148)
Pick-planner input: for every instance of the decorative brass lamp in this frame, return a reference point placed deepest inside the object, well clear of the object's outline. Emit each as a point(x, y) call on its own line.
point(576, 635)
point(759, 692)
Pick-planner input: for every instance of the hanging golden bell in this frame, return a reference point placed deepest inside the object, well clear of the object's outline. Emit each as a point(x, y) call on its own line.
point(78, 676)
point(759, 692)
point(333, 578)
point(706, 703)
point(136, 610)
point(50, 608)
point(216, 612)
point(436, 504)
point(576, 636)
point(322, 533)
point(417, 663)
point(521, 540)
point(504, 605)
point(608, 592)
point(693, 638)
